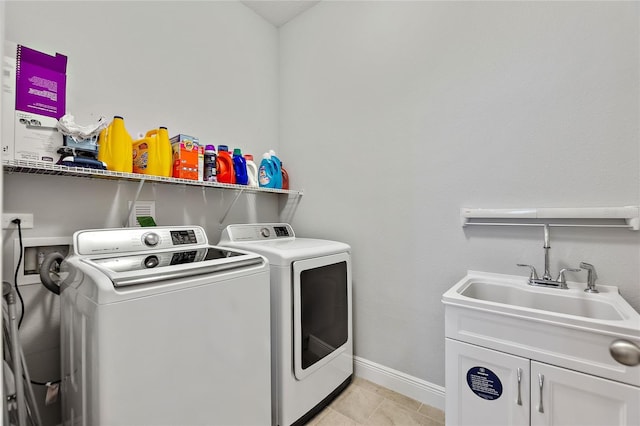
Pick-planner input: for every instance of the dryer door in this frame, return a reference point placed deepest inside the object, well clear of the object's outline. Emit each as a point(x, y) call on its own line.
point(321, 311)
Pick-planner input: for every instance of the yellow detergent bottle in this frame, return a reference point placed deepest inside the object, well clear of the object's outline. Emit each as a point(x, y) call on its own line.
point(165, 152)
point(152, 155)
point(115, 146)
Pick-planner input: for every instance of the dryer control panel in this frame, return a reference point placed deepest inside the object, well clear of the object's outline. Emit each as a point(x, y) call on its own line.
point(126, 240)
point(257, 232)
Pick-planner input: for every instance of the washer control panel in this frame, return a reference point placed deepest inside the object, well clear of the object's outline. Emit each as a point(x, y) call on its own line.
point(126, 240)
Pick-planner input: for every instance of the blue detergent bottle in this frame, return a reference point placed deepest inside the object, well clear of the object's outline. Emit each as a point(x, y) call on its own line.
point(266, 172)
point(240, 167)
point(277, 164)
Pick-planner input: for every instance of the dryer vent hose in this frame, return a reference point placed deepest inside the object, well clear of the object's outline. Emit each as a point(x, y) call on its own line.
point(51, 264)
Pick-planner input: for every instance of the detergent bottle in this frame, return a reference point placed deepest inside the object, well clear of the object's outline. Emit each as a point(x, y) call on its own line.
point(140, 155)
point(252, 171)
point(165, 152)
point(115, 146)
point(267, 172)
point(224, 164)
point(240, 167)
point(152, 155)
point(285, 177)
point(278, 170)
point(210, 171)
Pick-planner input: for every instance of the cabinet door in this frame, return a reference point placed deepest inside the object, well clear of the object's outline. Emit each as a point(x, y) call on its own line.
point(485, 387)
point(572, 398)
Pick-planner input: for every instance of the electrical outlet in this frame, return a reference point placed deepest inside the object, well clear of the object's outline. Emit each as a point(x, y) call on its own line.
point(26, 220)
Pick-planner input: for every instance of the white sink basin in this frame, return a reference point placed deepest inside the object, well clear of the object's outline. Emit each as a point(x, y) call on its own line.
point(569, 302)
point(510, 294)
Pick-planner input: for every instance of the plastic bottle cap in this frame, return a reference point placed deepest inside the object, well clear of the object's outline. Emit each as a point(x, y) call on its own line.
point(223, 148)
point(272, 152)
point(237, 151)
point(210, 148)
point(118, 116)
point(248, 157)
point(266, 156)
point(163, 127)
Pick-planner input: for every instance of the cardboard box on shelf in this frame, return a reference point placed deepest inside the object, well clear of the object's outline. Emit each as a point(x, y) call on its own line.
point(8, 105)
point(188, 157)
point(36, 138)
point(33, 93)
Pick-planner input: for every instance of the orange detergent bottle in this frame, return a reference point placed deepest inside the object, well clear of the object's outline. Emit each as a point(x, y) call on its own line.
point(285, 178)
point(115, 146)
point(153, 155)
point(224, 165)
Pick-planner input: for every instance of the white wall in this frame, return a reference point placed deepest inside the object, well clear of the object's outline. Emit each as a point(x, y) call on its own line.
point(393, 115)
point(397, 114)
point(207, 69)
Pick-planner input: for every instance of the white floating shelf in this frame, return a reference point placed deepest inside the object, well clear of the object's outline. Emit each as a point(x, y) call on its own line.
point(620, 217)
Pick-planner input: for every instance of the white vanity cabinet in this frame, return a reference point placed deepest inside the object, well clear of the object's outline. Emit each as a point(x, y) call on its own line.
point(489, 387)
point(523, 355)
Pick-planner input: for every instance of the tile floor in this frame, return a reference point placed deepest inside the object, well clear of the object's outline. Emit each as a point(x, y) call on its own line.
point(365, 403)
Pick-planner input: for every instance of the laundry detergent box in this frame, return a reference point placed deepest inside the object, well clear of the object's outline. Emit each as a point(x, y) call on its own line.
point(188, 157)
point(35, 92)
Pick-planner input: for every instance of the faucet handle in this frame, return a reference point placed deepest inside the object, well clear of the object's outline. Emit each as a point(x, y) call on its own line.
point(534, 274)
point(590, 268)
point(561, 279)
point(592, 276)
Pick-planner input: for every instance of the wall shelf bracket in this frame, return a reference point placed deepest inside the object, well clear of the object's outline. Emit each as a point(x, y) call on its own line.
point(125, 222)
point(233, 203)
point(288, 210)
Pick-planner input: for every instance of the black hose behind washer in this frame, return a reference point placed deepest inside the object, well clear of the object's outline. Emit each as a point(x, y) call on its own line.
point(46, 270)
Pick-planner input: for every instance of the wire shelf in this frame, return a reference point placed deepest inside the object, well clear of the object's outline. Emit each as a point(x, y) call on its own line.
point(43, 168)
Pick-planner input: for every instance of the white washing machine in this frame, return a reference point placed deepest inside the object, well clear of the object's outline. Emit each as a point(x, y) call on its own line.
point(312, 346)
point(160, 328)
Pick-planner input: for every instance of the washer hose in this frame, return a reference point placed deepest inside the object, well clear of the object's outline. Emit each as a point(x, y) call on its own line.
point(46, 270)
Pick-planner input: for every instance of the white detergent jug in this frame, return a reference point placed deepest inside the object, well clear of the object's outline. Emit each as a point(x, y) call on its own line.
point(252, 170)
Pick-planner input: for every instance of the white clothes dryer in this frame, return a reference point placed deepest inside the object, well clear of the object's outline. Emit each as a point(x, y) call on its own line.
point(160, 328)
point(311, 331)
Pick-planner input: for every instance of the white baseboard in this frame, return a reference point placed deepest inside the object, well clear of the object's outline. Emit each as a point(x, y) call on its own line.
point(418, 389)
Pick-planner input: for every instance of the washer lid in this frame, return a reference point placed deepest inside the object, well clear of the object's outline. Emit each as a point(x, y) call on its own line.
point(146, 267)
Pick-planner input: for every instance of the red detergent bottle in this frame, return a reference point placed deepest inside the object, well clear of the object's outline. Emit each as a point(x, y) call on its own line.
point(224, 165)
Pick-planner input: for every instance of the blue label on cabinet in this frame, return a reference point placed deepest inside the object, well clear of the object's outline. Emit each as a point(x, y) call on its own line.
point(484, 383)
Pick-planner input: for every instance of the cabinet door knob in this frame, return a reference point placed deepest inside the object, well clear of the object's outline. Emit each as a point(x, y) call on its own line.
point(625, 352)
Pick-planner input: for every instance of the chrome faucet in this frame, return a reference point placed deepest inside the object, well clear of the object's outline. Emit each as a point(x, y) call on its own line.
point(547, 246)
point(591, 277)
point(547, 280)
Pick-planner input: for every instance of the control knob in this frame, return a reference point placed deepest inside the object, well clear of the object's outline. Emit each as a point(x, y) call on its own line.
point(151, 261)
point(151, 239)
point(265, 232)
